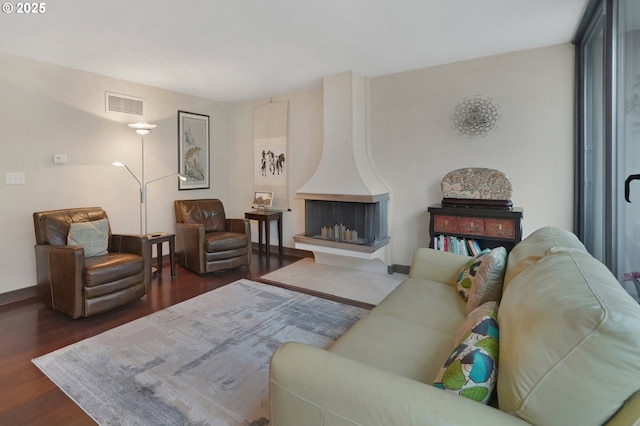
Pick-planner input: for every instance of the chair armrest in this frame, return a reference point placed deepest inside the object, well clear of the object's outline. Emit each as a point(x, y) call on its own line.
point(135, 244)
point(59, 277)
point(241, 226)
point(190, 246)
point(437, 265)
point(314, 387)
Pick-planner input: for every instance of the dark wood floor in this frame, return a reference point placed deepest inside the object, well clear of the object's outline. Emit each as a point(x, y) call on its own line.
point(29, 329)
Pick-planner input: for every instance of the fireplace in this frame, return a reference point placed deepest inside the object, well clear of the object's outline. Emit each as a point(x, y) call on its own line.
point(344, 225)
point(346, 222)
point(346, 203)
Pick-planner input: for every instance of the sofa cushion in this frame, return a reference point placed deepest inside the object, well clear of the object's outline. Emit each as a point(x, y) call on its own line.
point(224, 241)
point(482, 320)
point(471, 369)
point(427, 304)
point(92, 236)
point(418, 317)
point(536, 246)
point(570, 339)
point(112, 267)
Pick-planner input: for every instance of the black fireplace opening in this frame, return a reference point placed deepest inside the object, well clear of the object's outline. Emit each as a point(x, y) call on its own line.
point(345, 221)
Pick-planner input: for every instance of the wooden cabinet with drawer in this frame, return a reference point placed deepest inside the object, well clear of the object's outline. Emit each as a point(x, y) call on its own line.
point(489, 227)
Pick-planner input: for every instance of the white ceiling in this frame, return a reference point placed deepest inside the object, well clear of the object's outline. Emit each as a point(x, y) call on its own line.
point(236, 50)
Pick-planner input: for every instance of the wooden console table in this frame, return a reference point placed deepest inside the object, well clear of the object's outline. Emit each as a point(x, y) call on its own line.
point(264, 219)
point(489, 227)
point(162, 237)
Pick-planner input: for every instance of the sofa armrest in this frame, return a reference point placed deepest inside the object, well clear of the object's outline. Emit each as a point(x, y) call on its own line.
point(190, 246)
point(436, 265)
point(59, 277)
point(312, 386)
point(629, 414)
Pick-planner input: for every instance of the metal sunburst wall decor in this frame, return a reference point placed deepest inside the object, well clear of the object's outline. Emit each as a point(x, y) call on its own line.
point(475, 116)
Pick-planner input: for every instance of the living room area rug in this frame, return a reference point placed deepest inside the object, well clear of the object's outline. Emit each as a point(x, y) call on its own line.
point(204, 361)
point(347, 283)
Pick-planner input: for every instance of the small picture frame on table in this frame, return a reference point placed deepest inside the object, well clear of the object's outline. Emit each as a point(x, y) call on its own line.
point(262, 200)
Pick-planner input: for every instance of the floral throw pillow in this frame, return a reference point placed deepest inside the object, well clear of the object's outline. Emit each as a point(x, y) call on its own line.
point(486, 284)
point(466, 274)
point(471, 369)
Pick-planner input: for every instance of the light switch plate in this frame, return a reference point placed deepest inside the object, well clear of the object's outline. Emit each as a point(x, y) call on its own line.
point(14, 178)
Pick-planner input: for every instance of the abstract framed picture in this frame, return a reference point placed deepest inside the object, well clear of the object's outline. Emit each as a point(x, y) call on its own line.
point(193, 150)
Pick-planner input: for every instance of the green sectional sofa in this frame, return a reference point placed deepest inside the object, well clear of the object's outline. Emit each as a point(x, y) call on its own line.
point(568, 349)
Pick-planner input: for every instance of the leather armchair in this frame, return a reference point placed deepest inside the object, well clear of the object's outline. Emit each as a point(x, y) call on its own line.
point(83, 286)
point(207, 241)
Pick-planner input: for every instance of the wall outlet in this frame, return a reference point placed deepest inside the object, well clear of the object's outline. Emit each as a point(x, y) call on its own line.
point(14, 178)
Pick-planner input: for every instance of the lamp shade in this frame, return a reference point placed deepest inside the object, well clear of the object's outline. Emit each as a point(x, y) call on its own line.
point(142, 128)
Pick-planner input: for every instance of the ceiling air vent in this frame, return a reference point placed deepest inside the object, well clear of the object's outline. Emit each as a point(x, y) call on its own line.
point(116, 102)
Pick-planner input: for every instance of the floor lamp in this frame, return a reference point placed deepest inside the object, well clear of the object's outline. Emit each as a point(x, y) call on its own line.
point(144, 129)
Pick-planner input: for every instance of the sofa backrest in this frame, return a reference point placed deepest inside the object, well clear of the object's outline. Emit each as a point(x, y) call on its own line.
point(569, 337)
point(52, 226)
point(537, 245)
point(209, 212)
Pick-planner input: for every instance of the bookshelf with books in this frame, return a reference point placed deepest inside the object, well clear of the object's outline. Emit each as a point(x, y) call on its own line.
point(469, 230)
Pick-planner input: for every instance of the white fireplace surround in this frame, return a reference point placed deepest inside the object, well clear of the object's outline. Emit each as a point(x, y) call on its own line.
point(345, 172)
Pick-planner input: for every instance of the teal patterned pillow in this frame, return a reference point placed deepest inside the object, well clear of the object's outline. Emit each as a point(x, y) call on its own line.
point(466, 274)
point(471, 369)
point(483, 320)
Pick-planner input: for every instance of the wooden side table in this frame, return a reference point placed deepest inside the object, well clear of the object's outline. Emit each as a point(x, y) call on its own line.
point(158, 239)
point(264, 219)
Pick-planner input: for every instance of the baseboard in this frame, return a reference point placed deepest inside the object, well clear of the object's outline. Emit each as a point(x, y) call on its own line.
point(18, 295)
point(286, 251)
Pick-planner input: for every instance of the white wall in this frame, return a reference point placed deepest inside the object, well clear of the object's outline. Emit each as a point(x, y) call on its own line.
point(413, 144)
point(46, 110)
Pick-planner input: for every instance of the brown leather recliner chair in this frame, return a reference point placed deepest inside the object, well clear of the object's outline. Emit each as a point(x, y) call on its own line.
point(206, 241)
point(82, 286)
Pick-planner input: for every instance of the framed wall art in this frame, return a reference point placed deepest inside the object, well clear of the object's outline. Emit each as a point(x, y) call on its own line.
point(193, 150)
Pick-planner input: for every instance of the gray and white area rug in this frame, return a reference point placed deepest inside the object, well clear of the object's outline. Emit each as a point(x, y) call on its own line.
point(204, 361)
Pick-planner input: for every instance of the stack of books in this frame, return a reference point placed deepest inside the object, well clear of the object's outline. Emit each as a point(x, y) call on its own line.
point(464, 246)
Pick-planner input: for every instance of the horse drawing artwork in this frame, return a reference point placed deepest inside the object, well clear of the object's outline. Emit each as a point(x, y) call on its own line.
point(270, 163)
